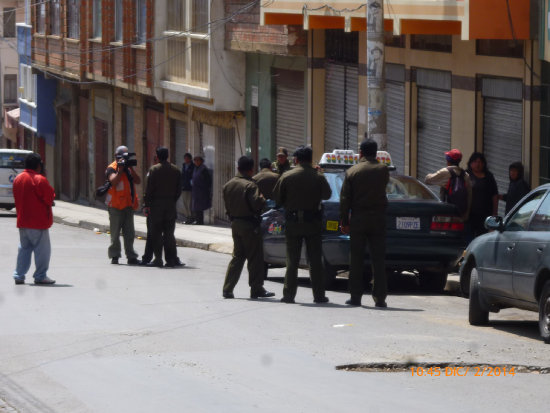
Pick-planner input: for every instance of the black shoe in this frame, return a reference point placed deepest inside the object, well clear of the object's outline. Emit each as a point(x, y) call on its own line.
point(144, 261)
point(114, 260)
point(287, 300)
point(263, 294)
point(134, 261)
point(352, 302)
point(155, 264)
point(228, 295)
point(177, 263)
point(380, 304)
point(321, 300)
point(19, 282)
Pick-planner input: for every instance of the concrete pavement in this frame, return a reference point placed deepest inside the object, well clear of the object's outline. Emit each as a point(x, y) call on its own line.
point(206, 237)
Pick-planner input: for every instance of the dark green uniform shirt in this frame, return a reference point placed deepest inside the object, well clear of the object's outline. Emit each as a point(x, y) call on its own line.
point(266, 180)
point(364, 188)
point(242, 197)
point(280, 168)
point(163, 184)
point(301, 189)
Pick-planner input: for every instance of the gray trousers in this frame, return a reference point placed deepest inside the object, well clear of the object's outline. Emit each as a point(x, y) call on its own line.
point(122, 219)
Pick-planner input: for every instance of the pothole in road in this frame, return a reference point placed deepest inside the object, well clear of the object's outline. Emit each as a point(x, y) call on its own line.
point(445, 369)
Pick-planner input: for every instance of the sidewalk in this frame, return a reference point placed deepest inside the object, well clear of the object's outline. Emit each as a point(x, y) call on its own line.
point(206, 237)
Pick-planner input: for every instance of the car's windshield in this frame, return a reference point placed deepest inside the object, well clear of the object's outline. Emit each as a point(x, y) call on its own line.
point(12, 160)
point(398, 188)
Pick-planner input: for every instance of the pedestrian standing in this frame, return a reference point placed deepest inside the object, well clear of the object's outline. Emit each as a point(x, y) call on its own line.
point(266, 179)
point(300, 191)
point(281, 165)
point(122, 201)
point(517, 188)
point(34, 197)
point(201, 193)
point(443, 178)
point(484, 194)
point(363, 205)
point(187, 176)
point(161, 196)
point(244, 203)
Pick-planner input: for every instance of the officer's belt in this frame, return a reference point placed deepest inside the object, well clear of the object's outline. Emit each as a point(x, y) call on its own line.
point(304, 215)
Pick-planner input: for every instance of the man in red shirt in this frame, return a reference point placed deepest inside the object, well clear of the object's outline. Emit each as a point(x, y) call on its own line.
point(33, 202)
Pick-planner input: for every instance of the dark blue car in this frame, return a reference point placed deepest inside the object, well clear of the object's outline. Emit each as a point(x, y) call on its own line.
point(424, 235)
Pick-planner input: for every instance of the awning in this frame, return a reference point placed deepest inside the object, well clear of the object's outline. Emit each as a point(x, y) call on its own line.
point(11, 120)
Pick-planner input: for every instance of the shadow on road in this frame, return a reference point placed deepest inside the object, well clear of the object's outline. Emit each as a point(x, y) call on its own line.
point(525, 328)
point(51, 285)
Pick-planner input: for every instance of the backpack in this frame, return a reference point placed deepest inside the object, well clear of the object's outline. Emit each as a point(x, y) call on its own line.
point(456, 192)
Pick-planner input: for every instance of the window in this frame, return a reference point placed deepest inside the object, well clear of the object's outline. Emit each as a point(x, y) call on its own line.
point(9, 22)
point(341, 46)
point(41, 18)
point(118, 20)
point(97, 19)
point(10, 88)
point(394, 41)
point(502, 48)
point(434, 43)
point(27, 83)
point(520, 220)
point(541, 219)
point(55, 18)
point(141, 21)
point(73, 19)
point(188, 33)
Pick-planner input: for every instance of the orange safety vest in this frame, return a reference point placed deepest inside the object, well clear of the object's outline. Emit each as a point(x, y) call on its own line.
point(120, 197)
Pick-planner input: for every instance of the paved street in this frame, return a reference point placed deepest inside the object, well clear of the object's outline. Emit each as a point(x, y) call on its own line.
point(111, 338)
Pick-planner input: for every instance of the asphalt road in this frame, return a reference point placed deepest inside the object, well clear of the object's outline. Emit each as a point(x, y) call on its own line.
point(111, 338)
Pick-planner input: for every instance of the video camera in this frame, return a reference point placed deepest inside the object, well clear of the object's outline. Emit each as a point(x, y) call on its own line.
point(125, 161)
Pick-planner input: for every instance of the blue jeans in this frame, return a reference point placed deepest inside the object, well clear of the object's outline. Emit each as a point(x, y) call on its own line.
point(37, 241)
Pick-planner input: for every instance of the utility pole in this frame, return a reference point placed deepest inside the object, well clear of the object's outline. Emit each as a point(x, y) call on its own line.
point(376, 83)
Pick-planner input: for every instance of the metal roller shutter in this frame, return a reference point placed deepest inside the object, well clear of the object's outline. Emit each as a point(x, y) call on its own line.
point(502, 137)
point(434, 130)
point(290, 109)
point(180, 136)
point(341, 109)
point(395, 110)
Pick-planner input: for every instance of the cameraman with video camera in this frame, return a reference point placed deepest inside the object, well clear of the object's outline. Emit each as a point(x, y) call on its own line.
point(122, 201)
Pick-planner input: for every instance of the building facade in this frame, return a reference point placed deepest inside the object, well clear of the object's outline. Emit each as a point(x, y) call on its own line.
point(462, 74)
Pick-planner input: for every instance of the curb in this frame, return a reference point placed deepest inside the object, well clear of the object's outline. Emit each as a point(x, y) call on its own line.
point(223, 248)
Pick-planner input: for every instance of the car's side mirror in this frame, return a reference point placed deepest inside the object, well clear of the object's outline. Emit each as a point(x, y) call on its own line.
point(494, 223)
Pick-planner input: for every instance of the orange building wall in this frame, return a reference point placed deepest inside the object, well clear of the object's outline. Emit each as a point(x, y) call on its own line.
point(489, 19)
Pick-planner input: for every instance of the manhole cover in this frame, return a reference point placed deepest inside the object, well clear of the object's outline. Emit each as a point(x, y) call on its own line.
point(445, 369)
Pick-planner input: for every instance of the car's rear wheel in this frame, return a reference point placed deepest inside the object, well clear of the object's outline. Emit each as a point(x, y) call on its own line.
point(330, 275)
point(433, 281)
point(477, 315)
point(465, 278)
point(544, 313)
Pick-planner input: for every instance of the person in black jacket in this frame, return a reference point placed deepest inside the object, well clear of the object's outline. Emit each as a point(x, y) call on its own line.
point(186, 188)
point(517, 188)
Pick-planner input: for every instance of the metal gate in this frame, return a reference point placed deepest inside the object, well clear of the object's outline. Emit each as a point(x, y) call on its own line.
point(224, 169)
point(433, 120)
point(180, 138)
point(290, 109)
point(341, 85)
point(395, 111)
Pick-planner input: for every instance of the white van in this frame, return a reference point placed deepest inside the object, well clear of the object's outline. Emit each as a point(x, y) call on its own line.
point(12, 161)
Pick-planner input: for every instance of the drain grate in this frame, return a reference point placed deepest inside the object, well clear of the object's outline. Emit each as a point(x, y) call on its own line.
point(445, 369)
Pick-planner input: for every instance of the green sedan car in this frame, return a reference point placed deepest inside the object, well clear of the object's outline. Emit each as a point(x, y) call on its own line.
point(510, 266)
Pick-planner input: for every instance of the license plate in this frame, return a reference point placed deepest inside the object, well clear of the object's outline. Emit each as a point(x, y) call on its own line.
point(332, 225)
point(409, 223)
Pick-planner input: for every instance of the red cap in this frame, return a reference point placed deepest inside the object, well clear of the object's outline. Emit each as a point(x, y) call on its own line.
point(453, 155)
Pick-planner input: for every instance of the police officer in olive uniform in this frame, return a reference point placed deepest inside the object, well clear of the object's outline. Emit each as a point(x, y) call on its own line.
point(300, 192)
point(364, 194)
point(266, 179)
point(282, 164)
point(161, 195)
point(244, 203)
